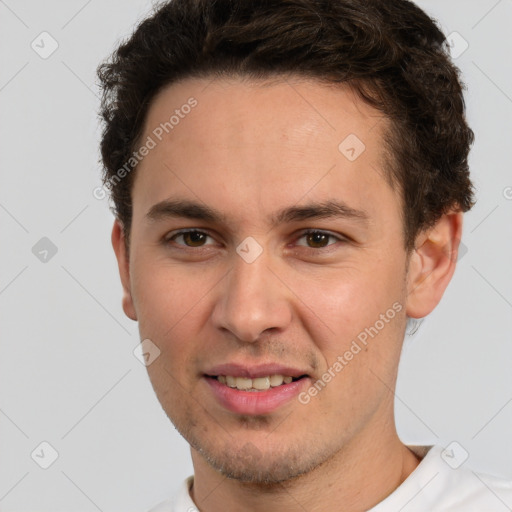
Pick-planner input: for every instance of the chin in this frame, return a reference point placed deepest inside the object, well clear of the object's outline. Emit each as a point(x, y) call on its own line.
point(254, 451)
point(264, 471)
point(262, 467)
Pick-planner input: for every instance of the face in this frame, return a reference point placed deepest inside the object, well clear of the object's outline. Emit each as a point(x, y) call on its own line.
point(267, 243)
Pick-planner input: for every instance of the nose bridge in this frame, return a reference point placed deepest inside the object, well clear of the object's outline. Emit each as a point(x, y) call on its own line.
point(252, 299)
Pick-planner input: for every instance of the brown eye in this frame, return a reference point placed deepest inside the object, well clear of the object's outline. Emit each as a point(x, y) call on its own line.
point(194, 238)
point(190, 238)
point(317, 239)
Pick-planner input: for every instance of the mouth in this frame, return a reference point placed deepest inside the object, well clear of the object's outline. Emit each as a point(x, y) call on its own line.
point(257, 384)
point(257, 390)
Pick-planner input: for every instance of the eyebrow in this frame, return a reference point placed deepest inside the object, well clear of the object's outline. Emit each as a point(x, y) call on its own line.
point(179, 208)
point(322, 210)
point(183, 208)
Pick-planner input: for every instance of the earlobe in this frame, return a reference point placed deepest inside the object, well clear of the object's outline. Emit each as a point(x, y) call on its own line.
point(432, 264)
point(119, 245)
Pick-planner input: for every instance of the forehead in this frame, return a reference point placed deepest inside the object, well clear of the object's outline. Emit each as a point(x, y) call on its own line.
point(249, 146)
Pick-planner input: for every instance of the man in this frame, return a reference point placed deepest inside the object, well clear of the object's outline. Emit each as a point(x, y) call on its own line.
point(289, 180)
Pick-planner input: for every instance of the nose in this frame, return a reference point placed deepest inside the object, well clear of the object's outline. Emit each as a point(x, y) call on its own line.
point(253, 299)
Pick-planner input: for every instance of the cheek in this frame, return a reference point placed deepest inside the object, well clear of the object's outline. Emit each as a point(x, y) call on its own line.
point(359, 347)
point(343, 303)
point(168, 297)
point(171, 312)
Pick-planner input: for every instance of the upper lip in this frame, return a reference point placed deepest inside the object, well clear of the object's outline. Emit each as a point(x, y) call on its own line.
point(254, 371)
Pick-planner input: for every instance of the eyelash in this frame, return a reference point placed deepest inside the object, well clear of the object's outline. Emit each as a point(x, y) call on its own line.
point(304, 233)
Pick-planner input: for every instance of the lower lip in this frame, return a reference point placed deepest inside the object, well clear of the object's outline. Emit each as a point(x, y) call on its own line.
point(255, 402)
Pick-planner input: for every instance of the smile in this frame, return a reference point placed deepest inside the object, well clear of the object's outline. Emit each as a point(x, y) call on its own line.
point(257, 395)
point(256, 384)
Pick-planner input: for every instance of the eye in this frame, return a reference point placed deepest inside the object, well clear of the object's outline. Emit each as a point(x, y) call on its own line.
point(316, 239)
point(190, 238)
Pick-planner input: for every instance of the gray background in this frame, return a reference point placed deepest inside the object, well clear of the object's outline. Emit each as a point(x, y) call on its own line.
point(68, 374)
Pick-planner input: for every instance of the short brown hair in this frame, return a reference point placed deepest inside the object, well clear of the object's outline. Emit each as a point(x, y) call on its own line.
point(389, 51)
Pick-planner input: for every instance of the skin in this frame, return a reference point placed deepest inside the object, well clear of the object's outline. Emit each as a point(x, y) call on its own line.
point(249, 149)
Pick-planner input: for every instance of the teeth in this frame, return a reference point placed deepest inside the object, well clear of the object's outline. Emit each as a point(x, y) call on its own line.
point(243, 383)
point(261, 383)
point(276, 380)
point(258, 384)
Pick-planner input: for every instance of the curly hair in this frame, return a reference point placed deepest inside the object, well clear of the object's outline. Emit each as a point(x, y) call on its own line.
point(390, 52)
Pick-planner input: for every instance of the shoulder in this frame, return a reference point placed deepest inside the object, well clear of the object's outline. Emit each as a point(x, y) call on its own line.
point(444, 482)
point(455, 486)
point(469, 490)
point(180, 502)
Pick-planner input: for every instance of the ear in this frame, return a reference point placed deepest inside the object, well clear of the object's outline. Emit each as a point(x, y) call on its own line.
point(432, 264)
point(119, 245)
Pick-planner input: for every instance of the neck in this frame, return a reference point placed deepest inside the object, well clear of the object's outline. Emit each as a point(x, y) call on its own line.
point(360, 476)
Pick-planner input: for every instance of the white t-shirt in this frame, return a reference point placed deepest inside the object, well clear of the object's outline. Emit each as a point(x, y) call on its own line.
point(438, 484)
